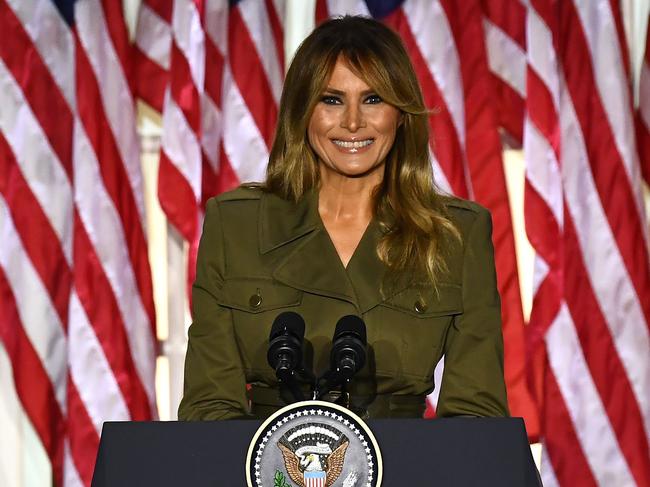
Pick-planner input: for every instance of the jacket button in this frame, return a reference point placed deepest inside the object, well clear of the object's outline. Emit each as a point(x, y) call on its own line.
point(255, 301)
point(420, 307)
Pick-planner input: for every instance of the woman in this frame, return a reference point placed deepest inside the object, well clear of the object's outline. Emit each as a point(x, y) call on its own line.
point(348, 222)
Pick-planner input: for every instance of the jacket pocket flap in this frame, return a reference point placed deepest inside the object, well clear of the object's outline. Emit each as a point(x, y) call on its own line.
point(255, 295)
point(425, 303)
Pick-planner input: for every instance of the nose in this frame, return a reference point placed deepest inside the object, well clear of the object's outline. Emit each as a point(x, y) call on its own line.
point(353, 117)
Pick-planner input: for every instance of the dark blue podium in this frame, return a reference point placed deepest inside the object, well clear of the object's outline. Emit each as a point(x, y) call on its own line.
point(454, 452)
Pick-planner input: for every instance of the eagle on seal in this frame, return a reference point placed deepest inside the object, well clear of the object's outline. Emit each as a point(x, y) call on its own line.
point(313, 454)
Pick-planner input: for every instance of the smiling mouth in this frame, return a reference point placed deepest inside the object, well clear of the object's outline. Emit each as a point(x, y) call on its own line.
point(356, 144)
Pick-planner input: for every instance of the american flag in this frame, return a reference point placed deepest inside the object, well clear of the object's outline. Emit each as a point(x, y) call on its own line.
point(447, 41)
point(76, 305)
point(589, 329)
point(77, 335)
point(587, 346)
point(225, 70)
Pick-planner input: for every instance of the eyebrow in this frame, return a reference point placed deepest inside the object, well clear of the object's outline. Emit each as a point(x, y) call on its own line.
point(342, 93)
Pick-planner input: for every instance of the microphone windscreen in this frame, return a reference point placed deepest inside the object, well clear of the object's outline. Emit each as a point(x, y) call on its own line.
point(290, 321)
point(351, 324)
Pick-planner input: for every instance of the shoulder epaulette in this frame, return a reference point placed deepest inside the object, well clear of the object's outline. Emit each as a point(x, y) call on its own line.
point(463, 204)
point(241, 193)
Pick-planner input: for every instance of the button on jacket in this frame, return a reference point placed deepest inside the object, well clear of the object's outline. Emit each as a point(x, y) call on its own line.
point(261, 255)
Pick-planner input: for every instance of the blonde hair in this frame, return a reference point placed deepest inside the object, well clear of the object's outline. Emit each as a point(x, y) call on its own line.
point(409, 209)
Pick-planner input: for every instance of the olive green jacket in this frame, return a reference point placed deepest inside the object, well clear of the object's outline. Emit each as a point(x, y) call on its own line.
point(261, 255)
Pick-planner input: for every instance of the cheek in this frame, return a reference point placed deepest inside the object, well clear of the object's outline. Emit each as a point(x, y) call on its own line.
point(387, 122)
point(319, 123)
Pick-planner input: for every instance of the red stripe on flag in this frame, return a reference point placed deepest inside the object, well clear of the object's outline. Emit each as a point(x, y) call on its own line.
point(208, 181)
point(83, 438)
point(151, 81)
point(509, 16)
point(643, 141)
point(276, 29)
point(98, 300)
point(226, 178)
point(37, 235)
point(510, 109)
point(182, 209)
point(563, 447)
point(39, 87)
point(250, 77)
point(32, 383)
point(322, 12)
point(541, 111)
point(183, 90)
point(213, 71)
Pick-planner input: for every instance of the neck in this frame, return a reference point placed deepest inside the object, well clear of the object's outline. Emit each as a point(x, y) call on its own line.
point(347, 199)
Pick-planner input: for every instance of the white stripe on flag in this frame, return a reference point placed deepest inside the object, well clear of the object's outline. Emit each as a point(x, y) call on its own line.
point(337, 8)
point(506, 58)
point(242, 139)
point(91, 372)
point(541, 55)
point(180, 145)
point(543, 170)
point(38, 162)
point(189, 37)
point(154, 36)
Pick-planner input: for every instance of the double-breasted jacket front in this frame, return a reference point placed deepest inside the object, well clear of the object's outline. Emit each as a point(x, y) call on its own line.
point(261, 255)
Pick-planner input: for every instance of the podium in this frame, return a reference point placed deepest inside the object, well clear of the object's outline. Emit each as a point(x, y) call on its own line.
point(455, 452)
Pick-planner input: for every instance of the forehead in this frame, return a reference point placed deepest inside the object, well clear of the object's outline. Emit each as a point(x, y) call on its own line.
point(343, 78)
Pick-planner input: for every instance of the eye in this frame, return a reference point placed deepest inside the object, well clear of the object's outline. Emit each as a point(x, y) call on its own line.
point(373, 99)
point(330, 100)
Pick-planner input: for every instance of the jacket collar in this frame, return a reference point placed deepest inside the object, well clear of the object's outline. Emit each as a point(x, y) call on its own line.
point(312, 263)
point(282, 221)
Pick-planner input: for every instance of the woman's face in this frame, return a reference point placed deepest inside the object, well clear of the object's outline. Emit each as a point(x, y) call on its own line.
point(351, 129)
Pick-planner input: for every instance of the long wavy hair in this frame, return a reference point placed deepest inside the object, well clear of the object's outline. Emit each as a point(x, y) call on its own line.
point(411, 212)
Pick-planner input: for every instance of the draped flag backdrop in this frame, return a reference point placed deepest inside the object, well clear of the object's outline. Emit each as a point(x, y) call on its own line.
point(553, 76)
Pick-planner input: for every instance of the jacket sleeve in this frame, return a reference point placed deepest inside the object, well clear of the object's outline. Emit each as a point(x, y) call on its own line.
point(473, 382)
point(215, 383)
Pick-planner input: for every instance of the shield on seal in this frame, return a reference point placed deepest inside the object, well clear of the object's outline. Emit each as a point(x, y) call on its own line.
point(315, 479)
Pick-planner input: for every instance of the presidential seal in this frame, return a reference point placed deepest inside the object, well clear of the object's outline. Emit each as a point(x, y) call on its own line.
point(313, 444)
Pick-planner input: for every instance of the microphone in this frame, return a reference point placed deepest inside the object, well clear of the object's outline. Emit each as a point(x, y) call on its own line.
point(285, 345)
point(348, 354)
point(347, 357)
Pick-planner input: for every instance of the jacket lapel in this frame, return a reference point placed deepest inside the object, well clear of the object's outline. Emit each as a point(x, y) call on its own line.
point(311, 263)
point(367, 272)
